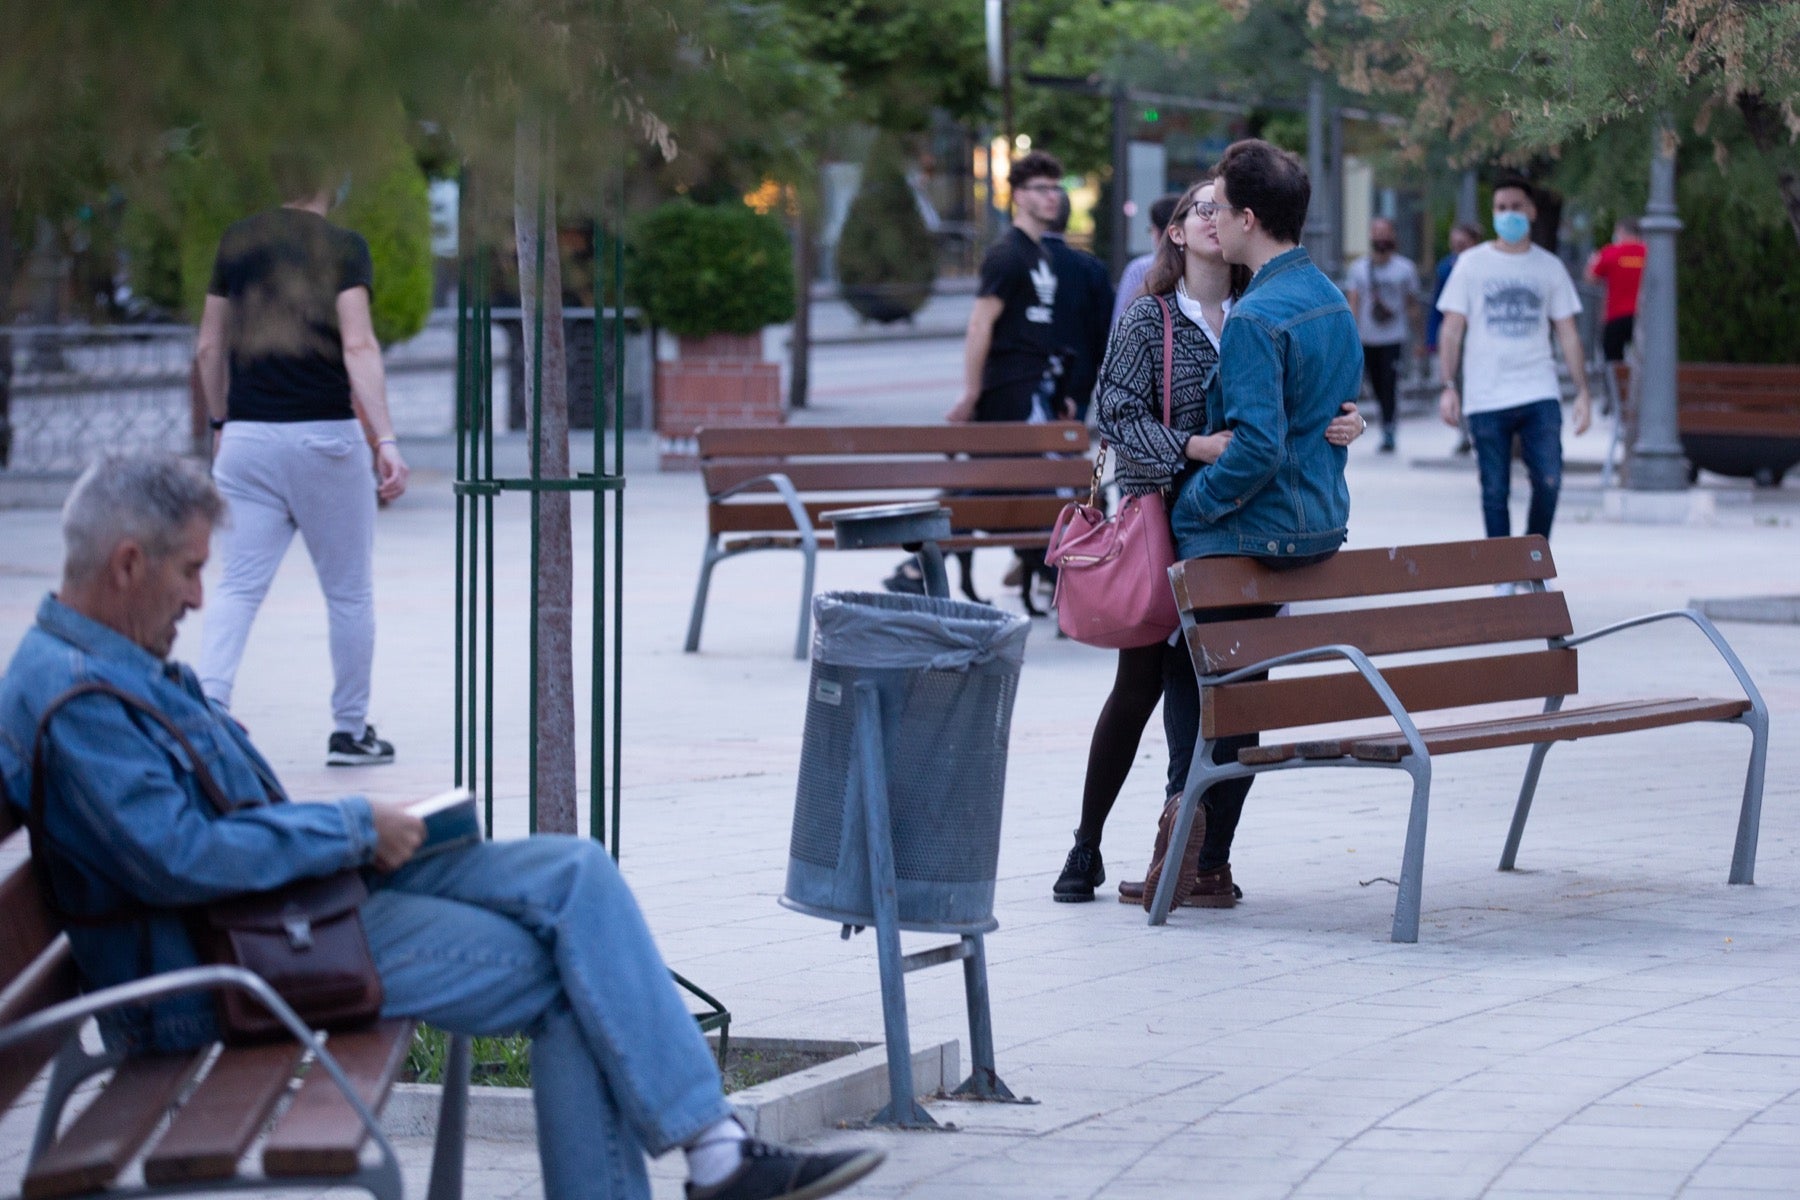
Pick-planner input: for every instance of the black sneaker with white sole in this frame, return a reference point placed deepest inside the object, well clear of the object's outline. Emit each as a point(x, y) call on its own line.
point(777, 1173)
point(365, 751)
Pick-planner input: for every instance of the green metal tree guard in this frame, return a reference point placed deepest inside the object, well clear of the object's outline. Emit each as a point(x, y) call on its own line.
point(478, 486)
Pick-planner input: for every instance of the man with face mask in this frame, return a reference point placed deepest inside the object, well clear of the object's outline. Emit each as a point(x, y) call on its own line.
point(1502, 300)
point(1383, 290)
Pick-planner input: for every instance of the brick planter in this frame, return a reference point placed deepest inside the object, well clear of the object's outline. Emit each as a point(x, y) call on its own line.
point(719, 379)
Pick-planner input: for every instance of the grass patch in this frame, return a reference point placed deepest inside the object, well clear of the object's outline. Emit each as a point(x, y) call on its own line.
point(506, 1061)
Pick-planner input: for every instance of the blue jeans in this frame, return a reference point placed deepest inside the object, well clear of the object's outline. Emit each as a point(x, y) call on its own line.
point(1539, 429)
point(542, 937)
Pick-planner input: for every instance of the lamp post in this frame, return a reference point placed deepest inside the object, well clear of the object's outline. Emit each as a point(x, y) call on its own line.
point(1657, 464)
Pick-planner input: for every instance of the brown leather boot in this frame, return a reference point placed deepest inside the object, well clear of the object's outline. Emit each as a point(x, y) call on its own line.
point(1190, 855)
point(1213, 889)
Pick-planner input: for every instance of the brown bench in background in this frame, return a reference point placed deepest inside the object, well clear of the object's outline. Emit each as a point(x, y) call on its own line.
point(210, 1108)
point(1475, 660)
point(1735, 419)
point(768, 486)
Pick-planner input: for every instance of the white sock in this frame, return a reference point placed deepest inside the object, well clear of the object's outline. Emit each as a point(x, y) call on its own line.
point(716, 1152)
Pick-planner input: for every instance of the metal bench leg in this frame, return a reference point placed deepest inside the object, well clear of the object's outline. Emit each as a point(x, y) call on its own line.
point(1743, 855)
point(72, 1067)
point(1522, 809)
point(1199, 779)
point(453, 1124)
point(1412, 863)
point(806, 591)
point(707, 562)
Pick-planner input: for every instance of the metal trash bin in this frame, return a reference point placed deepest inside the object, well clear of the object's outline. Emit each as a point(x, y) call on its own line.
point(946, 673)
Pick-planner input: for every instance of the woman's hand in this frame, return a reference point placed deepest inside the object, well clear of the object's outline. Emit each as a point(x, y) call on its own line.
point(1346, 427)
point(1207, 447)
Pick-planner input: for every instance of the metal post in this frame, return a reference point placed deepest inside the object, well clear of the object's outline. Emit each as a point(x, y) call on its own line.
point(1121, 179)
point(871, 784)
point(1656, 463)
point(1333, 263)
point(1317, 227)
point(1465, 200)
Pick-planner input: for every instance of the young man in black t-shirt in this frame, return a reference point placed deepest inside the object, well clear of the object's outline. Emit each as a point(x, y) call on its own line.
point(1011, 329)
point(288, 362)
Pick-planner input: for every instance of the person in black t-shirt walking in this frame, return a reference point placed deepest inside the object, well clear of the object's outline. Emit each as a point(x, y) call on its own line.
point(288, 363)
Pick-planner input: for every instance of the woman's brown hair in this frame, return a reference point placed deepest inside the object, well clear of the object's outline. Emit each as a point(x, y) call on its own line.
point(1170, 263)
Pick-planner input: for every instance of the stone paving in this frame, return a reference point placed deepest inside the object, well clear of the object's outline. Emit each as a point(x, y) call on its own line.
point(1610, 1020)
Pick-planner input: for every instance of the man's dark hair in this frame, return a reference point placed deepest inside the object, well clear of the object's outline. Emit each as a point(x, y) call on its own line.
point(1519, 182)
point(1162, 210)
point(1060, 222)
point(1035, 165)
point(300, 172)
point(1271, 183)
point(1469, 230)
point(1629, 225)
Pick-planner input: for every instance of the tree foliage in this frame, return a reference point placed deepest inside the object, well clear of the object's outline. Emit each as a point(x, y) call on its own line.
point(700, 269)
point(887, 259)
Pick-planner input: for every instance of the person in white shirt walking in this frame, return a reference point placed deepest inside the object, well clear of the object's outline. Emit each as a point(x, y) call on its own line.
point(1500, 304)
point(1383, 290)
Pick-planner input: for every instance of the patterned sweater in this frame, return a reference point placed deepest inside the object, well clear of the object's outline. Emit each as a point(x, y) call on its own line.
point(1128, 402)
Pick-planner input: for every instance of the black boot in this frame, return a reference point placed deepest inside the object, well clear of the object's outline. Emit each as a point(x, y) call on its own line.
point(1082, 872)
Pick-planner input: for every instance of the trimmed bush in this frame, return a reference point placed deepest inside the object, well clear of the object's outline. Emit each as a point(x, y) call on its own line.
point(1737, 274)
point(886, 258)
point(700, 269)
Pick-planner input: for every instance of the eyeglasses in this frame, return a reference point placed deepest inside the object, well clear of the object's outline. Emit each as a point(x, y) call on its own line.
point(1206, 209)
point(1039, 187)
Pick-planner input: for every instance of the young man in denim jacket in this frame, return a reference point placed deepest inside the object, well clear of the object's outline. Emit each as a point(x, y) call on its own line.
point(1289, 357)
point(539, 936)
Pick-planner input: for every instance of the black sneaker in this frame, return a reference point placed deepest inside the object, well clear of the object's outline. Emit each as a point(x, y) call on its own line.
point(778, 1173)
point(365, 751)
point(1082, 872)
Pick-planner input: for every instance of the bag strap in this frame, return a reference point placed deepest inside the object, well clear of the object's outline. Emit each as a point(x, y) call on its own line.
point(1168, 358)
point(38, 827)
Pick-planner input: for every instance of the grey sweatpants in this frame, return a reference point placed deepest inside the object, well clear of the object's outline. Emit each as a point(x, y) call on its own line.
point(279, 477)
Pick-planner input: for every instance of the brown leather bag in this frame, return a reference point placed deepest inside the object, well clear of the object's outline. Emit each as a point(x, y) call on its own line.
point(306, 938)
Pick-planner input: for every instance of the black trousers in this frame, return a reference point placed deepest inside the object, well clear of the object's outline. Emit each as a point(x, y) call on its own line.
point(1382, 365)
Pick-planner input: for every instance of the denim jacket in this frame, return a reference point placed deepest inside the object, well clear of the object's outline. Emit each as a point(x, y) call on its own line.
point(1288, 359)
point(128, 825)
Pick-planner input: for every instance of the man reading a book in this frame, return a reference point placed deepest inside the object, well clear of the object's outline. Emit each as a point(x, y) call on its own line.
point(539, 936)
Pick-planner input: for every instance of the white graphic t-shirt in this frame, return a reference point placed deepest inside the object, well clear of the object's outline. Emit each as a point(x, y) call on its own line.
point(1509, 301)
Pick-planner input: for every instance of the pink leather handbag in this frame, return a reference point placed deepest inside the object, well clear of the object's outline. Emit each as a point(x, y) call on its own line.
point(1112, 573)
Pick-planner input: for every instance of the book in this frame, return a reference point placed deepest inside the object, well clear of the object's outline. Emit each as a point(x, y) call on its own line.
point(451, 820)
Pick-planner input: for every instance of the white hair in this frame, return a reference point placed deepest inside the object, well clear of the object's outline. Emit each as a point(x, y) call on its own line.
point(146, 498)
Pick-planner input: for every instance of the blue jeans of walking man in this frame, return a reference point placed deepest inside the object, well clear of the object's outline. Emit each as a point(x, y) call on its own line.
point(1538, 427)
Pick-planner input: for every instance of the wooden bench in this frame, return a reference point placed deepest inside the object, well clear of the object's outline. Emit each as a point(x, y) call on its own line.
point(768, 486)
point(190, 1120)
point(1736, 419)
point(1474, 659)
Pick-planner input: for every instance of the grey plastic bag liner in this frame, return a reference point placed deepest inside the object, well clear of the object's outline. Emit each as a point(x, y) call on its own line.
point(885, 630)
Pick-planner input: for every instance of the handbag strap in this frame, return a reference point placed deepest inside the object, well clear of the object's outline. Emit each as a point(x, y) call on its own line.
point(37, 826)
point(1168, 357)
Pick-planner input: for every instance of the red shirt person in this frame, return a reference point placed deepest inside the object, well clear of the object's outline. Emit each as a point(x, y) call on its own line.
point(1621, 265)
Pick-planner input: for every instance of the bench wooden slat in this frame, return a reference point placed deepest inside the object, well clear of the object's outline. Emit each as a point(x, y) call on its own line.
point(1010, 474)
point(1035, 514)
point(1742, 422)
point(103, 1139)
point(319, 1134)
point(1227, 645)
point(999, 437)
point(949, 545)
point(28, 928)
point(1207, 583)
point(223, 1116)
point(1568, 725)
point(1783, 375)
point(1341, 696)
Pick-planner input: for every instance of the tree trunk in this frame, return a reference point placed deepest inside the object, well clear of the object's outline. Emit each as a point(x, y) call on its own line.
point(1790, 198)
point(547, 430)
point(800, 345)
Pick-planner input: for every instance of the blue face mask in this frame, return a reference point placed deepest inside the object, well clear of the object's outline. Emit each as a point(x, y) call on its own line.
point(1512, 226)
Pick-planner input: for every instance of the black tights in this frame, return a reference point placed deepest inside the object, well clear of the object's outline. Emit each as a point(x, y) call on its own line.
point(1136, 691)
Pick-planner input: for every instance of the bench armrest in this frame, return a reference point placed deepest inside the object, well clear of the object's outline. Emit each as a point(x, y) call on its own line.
point(790, 496)
point(1356, 658)
point(70, 1014)
point(1712, 635)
